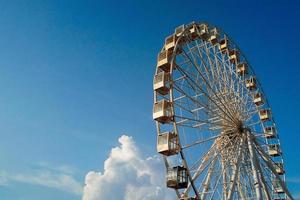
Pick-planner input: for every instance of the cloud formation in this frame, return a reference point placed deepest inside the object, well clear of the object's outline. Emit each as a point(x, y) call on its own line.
point(46, 178)
point(127, 176)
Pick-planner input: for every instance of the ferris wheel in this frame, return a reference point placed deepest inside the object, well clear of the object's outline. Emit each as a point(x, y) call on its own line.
point(215, 128)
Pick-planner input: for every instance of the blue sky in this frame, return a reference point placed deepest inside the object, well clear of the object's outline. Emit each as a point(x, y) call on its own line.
point(76, 75)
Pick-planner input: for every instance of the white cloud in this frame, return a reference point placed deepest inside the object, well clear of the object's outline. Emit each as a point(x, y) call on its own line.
point(294, 180)
point(65, 169)
point(128, 176)
point(47, 178)
point(3, 179)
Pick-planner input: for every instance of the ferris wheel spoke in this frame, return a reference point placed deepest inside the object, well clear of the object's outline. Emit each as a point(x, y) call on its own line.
point(203, 121)
point(191, 51)
point(255, 170)
point(208, 156)
point(201, 104)
point(247, 184)
point(251, 111)
point(207, 72)
point(266, 184)
point(227, 70)
point(249, 173)
point(207, 83)
point(222, 171)
point(262, 179)
point(202, 166)
point(234, 175)
point(216, 187)
point(226, 76)
point(254, 123)
point(192, 83)
point(240, 188)
point(201, 141)
point(206, 184)
point(203, 78)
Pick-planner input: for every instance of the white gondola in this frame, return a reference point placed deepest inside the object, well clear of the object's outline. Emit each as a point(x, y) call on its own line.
point(274, 150)
point(179, 30)
point(265, 114)
point(161, 83)
point(277, 187)
point(251, 83)
point(170, 42)
point(167, 144)
point(177, 177)
point(242, 68)
point(193, 32)
point(203, 30)
point(279, 168)
point(213, 36)
point(162, 112)
point(164, 60)
point(258, 100)
point(234, 56)
point(270, 132)
point(224, 45)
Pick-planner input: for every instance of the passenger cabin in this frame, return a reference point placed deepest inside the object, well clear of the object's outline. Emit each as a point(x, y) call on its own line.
point(279, 168)
point(162, 112)
point(277, 187)
point(193, 32)
point(258, 100)
point(214, 35)
point(179, 30)
point(224, 45)
point(203, 30)
point(264, 114)
point(170, 42)
point(251, 83)
point(242, 68)
point(167, 144)
point(164, 60)
point(161, 83)
point(274, 150)
point(270, 132)
point(177, 177)
point(234, 56)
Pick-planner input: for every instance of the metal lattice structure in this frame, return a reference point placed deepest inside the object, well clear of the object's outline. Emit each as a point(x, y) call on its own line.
point(215, 128)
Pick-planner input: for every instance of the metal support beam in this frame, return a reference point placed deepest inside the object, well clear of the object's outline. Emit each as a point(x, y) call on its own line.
point(206, 184)
point(268, 162)
point(224, 171)
point(254, 166)
point(263, 181)
point(201, 167)
point(240, 189)
point(235, 173)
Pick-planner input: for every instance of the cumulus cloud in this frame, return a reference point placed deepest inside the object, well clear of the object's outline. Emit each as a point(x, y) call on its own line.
point(46, 178)
point(127, 176)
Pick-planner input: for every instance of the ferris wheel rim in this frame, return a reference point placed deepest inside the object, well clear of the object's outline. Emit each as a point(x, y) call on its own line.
point(173, 64)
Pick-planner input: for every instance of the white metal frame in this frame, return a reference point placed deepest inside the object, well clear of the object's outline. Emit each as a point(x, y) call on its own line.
point(221, 138)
